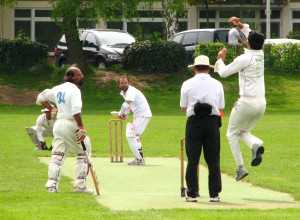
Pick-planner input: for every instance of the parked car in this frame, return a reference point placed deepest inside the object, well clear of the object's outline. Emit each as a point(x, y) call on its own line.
point(277, 41)
point(190, 38)
point(101, 47)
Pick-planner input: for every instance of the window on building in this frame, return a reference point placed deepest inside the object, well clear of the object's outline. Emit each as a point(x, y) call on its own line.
point(209, 13)
point(43, 13)
point(38, 25)
point(275, 14)
point(23, 27)
point(248, 13)
point(145, 30)
point(150, 13)
point(22, 13)
point(296, 27)
point(275, 29)
point(224, 25)
point(229, 13)
point(296, 14)
point(182, 26)
point(207, 25)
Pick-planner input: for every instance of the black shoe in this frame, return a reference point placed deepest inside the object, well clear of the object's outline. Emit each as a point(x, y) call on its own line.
point(257, 152)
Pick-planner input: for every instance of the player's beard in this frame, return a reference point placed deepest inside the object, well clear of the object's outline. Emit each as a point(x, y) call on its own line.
point(80, 83)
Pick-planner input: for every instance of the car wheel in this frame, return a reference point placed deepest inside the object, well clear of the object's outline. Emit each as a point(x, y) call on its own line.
point(101, 64)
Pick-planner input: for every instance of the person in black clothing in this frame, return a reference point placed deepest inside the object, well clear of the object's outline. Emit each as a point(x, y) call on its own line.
point(202, 98)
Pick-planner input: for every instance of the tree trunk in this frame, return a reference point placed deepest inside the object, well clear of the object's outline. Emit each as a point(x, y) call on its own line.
point(75, 53)
point(170, 18)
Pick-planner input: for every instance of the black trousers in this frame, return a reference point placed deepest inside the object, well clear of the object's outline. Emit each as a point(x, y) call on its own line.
point(203, 132)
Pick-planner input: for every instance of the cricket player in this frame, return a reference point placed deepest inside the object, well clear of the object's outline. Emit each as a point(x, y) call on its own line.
point(251, 105)
point(135, 102)
point(239, 33)
point(42, 128)
point(68, 129)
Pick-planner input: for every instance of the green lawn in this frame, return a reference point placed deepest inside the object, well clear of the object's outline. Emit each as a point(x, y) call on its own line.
point(22, 177)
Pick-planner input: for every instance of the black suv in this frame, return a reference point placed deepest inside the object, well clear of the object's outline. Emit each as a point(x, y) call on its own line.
point(190, 38)
point(101, 47)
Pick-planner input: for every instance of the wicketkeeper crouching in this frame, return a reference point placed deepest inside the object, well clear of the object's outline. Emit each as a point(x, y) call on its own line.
point(68, 129)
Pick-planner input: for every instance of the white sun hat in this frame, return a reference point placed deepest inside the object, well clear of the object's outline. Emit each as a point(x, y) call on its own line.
point(201, 60)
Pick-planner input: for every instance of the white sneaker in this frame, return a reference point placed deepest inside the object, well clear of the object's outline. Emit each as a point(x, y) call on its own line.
point(137, 162)
point(191, 199)
point(52, 189)
point(83, 190)
point(215, 199)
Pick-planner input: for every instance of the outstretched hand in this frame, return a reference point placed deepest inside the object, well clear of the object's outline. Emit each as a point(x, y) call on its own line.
point(222, 54)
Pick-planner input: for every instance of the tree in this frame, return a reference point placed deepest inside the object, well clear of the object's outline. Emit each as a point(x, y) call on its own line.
point(69, 12)
point(172, 10)
point(4, 3)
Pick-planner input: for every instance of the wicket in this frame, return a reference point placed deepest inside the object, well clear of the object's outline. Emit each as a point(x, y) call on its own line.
point(115, 127)
point(182, 173)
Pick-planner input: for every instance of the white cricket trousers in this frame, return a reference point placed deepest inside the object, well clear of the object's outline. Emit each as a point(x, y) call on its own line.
point(134, 131)
point(65, 142)
point(243, 118)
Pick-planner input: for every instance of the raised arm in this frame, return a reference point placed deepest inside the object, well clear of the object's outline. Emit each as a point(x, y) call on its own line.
point(226, 70)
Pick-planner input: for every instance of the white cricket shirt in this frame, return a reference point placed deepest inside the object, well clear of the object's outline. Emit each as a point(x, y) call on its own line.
point(137, 102)
point(250, 67)
point(202, 88)
point(234, 34)
point(67, 98)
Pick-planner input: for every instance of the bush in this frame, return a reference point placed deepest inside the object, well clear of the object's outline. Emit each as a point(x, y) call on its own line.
point(21, 53)
point(281, 58)
point(294, 35)
point(211, 50)
point(154, 57)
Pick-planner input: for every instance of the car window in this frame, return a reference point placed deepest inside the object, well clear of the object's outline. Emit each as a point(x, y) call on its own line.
point(90, 41)
point(221, 36)
point(190, 38)
point(177, 38)
point(205, 37)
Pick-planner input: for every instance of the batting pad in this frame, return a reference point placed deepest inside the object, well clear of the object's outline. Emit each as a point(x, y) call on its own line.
point(157, 186)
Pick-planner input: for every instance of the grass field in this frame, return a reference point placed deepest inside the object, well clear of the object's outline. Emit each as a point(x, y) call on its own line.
point(22, 176)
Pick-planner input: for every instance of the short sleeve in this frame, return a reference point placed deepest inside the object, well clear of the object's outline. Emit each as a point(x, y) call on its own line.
point(221, 98)
point(183, 97)
point(45, 96)
point(76, 102)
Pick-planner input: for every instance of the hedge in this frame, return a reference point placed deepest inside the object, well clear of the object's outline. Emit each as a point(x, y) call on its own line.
point(155, 57)
point(21, 53)
point(281, 58)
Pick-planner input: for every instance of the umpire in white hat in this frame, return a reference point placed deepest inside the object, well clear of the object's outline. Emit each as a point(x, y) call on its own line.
point(202, 98)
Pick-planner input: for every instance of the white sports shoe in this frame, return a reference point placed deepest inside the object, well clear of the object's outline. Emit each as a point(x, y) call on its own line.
point(83, 190)
point(137, 162)
point(215, 199)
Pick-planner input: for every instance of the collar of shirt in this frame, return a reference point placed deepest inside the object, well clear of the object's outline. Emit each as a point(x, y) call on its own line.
point(202, 75)
point(122, 93)
point(250, 51)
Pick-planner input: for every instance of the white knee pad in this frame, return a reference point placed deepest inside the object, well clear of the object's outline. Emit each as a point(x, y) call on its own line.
point(56, 162)
point(130, 131)
point(81, 171)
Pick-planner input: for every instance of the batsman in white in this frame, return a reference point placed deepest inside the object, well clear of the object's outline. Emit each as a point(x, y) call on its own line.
point(42, 128)
point(251, 105)
point(68, 129)
point(135, 102)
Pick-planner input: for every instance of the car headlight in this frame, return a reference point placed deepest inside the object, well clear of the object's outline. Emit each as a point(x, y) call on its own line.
point(113, 56)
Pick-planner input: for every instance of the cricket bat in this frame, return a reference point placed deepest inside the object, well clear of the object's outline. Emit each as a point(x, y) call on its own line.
point(91, 170)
